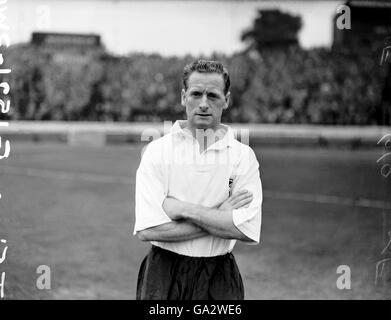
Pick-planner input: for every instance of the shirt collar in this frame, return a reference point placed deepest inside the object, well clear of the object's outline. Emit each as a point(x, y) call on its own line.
point(226, 141)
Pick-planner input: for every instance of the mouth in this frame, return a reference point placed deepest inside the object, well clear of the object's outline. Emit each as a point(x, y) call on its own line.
point(203, 115)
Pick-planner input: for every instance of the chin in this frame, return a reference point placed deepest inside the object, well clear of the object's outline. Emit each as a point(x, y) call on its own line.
point(203, 125)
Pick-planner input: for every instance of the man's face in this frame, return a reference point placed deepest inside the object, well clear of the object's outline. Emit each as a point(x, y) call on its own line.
point(205, 100)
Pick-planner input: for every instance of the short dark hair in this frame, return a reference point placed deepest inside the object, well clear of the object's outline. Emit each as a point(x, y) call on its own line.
point(206, 66)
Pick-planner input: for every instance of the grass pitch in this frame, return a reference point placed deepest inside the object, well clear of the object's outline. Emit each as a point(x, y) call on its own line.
point(72, 208)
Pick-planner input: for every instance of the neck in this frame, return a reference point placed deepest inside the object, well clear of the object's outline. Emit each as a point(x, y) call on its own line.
point(206, 137)
point(204, 131)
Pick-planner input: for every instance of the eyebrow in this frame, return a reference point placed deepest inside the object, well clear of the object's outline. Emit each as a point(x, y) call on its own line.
point(211, 91)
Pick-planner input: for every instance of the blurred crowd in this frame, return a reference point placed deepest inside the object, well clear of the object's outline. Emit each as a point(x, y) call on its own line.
point(317, 86)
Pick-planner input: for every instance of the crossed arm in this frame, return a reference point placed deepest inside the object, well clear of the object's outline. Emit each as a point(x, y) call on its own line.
point(192, 221)
point(180, 230)
point(163, 218)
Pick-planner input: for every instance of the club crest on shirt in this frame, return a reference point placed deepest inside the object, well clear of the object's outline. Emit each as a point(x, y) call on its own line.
point(231, 180)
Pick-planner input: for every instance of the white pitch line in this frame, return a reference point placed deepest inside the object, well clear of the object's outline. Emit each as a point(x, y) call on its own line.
point(280, 195)
point(64, 175)
point(3, 71)
point(326, 199)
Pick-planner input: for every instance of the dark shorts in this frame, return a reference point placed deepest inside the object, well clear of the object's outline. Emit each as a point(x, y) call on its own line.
point(165, 275)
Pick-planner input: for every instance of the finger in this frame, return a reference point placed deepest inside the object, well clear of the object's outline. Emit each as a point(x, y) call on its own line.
point(238, 193)
point(240, 197)
point(243, 203)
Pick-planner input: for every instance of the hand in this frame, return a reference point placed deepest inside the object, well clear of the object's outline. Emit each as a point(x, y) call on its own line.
point(238, 200)
point(173, 208)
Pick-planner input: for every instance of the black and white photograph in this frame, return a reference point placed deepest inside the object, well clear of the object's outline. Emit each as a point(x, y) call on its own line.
point(195, 150)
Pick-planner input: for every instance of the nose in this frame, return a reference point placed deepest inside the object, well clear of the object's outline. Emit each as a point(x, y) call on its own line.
point(203, 103)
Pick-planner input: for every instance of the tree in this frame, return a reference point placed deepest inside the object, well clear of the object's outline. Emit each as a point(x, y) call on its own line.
point(273, 29)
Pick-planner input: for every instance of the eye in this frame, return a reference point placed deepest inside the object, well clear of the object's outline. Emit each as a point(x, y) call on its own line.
point(212, 96)
point(196, 94)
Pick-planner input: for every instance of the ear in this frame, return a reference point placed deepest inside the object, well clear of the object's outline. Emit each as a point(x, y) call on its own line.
point(227, 100)
point(183, 98)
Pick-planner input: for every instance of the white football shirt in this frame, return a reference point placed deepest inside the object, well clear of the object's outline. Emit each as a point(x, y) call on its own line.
point(173, 166)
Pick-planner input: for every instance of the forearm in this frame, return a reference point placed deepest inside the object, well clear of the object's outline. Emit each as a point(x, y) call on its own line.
point(215, 221)
point(174, 231)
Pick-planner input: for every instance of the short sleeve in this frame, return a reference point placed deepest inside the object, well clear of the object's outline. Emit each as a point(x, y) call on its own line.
point(150, 191)
point(248, 220)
